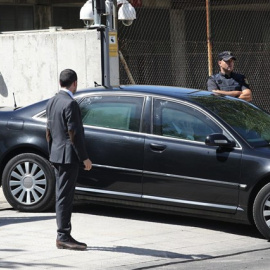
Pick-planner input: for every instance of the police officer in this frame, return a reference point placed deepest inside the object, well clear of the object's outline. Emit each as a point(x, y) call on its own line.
point(227, 82)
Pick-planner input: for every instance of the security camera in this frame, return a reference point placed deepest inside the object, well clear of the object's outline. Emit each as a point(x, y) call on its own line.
point(86, 14)
point(88, 23)
point(127, 22)
point(126, 13)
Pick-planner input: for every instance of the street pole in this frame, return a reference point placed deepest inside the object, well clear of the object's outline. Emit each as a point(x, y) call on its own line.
point(109, 43)
point(209, 38)
point(113, 56)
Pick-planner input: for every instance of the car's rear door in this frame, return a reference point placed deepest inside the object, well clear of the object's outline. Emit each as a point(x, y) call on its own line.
point(180, 170)
point(115, 145)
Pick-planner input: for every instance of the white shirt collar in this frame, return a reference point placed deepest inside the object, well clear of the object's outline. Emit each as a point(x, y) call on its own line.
point(67, 91)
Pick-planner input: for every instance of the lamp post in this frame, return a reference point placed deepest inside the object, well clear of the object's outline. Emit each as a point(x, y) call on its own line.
point(91, 14)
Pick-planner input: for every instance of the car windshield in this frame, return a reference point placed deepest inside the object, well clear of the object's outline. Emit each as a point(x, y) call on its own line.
point(250, 122)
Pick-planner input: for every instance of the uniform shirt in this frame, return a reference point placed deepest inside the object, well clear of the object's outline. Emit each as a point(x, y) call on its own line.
point(224, 82)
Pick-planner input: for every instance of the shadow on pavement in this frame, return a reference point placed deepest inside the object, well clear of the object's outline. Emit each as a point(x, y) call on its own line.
point(5, 208)
point(149, 252)
point(200, 222)
point(184, 258)
point(14, 265)
point(14, 220)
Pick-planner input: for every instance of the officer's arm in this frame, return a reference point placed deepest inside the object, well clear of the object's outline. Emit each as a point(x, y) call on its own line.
point(234, 93)
point(246, 92)
point(246, 95)
point(211, 84)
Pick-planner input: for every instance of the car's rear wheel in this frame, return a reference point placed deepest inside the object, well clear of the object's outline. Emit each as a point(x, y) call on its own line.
point(261, 211)
point(29, 183)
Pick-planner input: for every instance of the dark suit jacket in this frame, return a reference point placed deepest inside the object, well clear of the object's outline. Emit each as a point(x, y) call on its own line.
point(65, 133)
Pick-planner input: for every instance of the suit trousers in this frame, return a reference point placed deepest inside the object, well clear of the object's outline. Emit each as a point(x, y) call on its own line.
point(66, 177)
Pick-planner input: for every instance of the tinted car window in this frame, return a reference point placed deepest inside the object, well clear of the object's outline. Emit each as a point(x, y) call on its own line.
point(176, 120)
point(252, 123)
point(117, 112)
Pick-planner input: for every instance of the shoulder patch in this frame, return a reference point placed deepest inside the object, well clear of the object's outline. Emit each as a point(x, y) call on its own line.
point(246, 81)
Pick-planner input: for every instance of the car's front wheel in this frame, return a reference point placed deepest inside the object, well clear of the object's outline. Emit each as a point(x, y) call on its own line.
point(261, 211)
point(29, 183)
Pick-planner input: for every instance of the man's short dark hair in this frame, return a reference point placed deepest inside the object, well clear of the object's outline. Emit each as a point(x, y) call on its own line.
point(67, 77)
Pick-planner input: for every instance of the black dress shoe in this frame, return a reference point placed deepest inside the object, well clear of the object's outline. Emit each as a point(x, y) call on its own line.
point(71, 244)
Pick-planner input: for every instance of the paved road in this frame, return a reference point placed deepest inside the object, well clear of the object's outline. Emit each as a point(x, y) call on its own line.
point(128, 239)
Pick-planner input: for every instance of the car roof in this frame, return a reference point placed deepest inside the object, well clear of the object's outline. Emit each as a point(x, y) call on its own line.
point(169, 91)
point(186, 94)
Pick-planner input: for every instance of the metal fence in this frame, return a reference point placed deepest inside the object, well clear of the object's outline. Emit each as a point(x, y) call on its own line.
point(176, 42)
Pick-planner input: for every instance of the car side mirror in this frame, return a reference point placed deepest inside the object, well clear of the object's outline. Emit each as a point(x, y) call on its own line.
point(218, 139)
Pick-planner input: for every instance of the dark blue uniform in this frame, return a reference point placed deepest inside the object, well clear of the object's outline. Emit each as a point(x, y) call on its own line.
point(224, 82)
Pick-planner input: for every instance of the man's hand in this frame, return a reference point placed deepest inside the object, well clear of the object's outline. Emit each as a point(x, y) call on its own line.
point(87, 164)
point(246, 95)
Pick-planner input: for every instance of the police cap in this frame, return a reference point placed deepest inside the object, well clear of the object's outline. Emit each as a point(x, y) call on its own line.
point(226, 55)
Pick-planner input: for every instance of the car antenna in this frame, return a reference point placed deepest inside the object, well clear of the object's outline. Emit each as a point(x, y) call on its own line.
point(15, 105)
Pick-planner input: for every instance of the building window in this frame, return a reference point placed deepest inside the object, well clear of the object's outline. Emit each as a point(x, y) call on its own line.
point(67, 17)
point(16, 18)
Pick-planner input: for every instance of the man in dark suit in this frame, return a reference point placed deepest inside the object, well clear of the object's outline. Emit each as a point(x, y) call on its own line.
point(65, 137)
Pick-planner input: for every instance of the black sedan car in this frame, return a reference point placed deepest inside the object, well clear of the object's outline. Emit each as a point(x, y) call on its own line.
point(159, 148)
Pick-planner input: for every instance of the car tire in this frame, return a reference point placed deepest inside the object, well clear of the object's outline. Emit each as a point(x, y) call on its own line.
point(29, 183)
point(261, 211)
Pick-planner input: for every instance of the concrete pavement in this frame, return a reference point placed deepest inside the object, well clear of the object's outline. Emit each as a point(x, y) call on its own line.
point(128, 239)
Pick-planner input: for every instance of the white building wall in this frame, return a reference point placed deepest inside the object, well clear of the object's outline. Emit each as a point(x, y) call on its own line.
point(30, 63)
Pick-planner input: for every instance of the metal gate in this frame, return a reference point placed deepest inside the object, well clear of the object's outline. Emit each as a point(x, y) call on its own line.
point(176, 42)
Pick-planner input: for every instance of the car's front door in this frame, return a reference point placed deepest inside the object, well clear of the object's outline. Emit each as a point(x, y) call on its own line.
point(115, 145)
point(180, 170)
